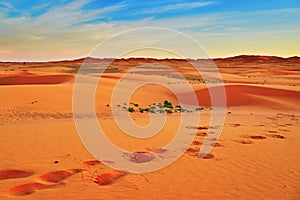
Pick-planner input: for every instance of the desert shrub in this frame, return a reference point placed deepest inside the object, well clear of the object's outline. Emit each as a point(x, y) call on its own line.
point(130, 109)
point(141, 110)
point(199, 108)
point(153, 107)
point(169, 111)
point(152, 111)
point(159, 105)
point(146, 109)
point(178, 108)
point(161, 111)
point(168, 104)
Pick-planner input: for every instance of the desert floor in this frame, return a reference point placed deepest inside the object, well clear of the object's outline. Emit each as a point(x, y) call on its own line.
point(256, 157)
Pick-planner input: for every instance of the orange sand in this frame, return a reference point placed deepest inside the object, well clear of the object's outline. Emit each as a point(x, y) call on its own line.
point(256, 156)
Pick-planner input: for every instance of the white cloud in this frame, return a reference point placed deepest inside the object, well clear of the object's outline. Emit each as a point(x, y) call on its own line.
point(185, 6)
point(176, 7)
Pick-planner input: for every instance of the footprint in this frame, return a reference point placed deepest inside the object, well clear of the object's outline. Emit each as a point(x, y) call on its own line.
point(141, 157)
point(29, 188)
point(57, 176)
point(257, 137)
point(211, 139)
point(270, 131)
point(277, 136)
point(11, 174)
point(206, 156)
point(284, 130)
point(201, 134)
point(235, 125)
point(216, 144)
point(199, 127)
point(196, 143)
point(91, 162)
point(244, 141)
point(271, 118)
point(108, 178)
point(192, 152)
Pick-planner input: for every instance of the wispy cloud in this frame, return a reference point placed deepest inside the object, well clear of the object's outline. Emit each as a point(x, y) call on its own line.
point(186, 6)
point(59, 29)
point(176, 7)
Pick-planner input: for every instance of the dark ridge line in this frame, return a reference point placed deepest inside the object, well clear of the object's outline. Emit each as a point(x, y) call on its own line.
point(232, 58)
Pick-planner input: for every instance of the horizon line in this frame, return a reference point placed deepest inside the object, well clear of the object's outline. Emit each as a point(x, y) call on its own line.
point(154, 58)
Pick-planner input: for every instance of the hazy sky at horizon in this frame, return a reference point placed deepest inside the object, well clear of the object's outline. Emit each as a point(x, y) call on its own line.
point(64, 29)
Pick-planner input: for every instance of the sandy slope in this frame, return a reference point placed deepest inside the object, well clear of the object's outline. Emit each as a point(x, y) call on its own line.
point(256, 157)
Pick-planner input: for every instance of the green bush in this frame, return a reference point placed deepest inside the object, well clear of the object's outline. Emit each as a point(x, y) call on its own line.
point(161, 111)
point(168, 104)
point(153, 107)
point(169, 111)
point(131, 109)
point(152, 111)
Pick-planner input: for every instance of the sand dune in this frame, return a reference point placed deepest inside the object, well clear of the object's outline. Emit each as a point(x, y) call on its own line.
point(25, 78)
point(240, 95)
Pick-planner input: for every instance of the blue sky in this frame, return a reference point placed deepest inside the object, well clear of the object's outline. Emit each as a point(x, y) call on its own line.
point(65, 29)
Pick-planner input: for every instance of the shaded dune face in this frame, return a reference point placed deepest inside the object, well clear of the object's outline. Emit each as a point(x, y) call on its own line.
point(12, 174)
point(26, 78)
point(29, 188)
point(239, 95)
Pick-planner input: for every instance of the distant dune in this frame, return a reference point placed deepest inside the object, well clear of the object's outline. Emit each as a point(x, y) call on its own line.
point(25, 78)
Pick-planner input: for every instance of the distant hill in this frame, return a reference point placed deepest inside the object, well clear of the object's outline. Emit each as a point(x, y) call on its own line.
point(232, 61)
